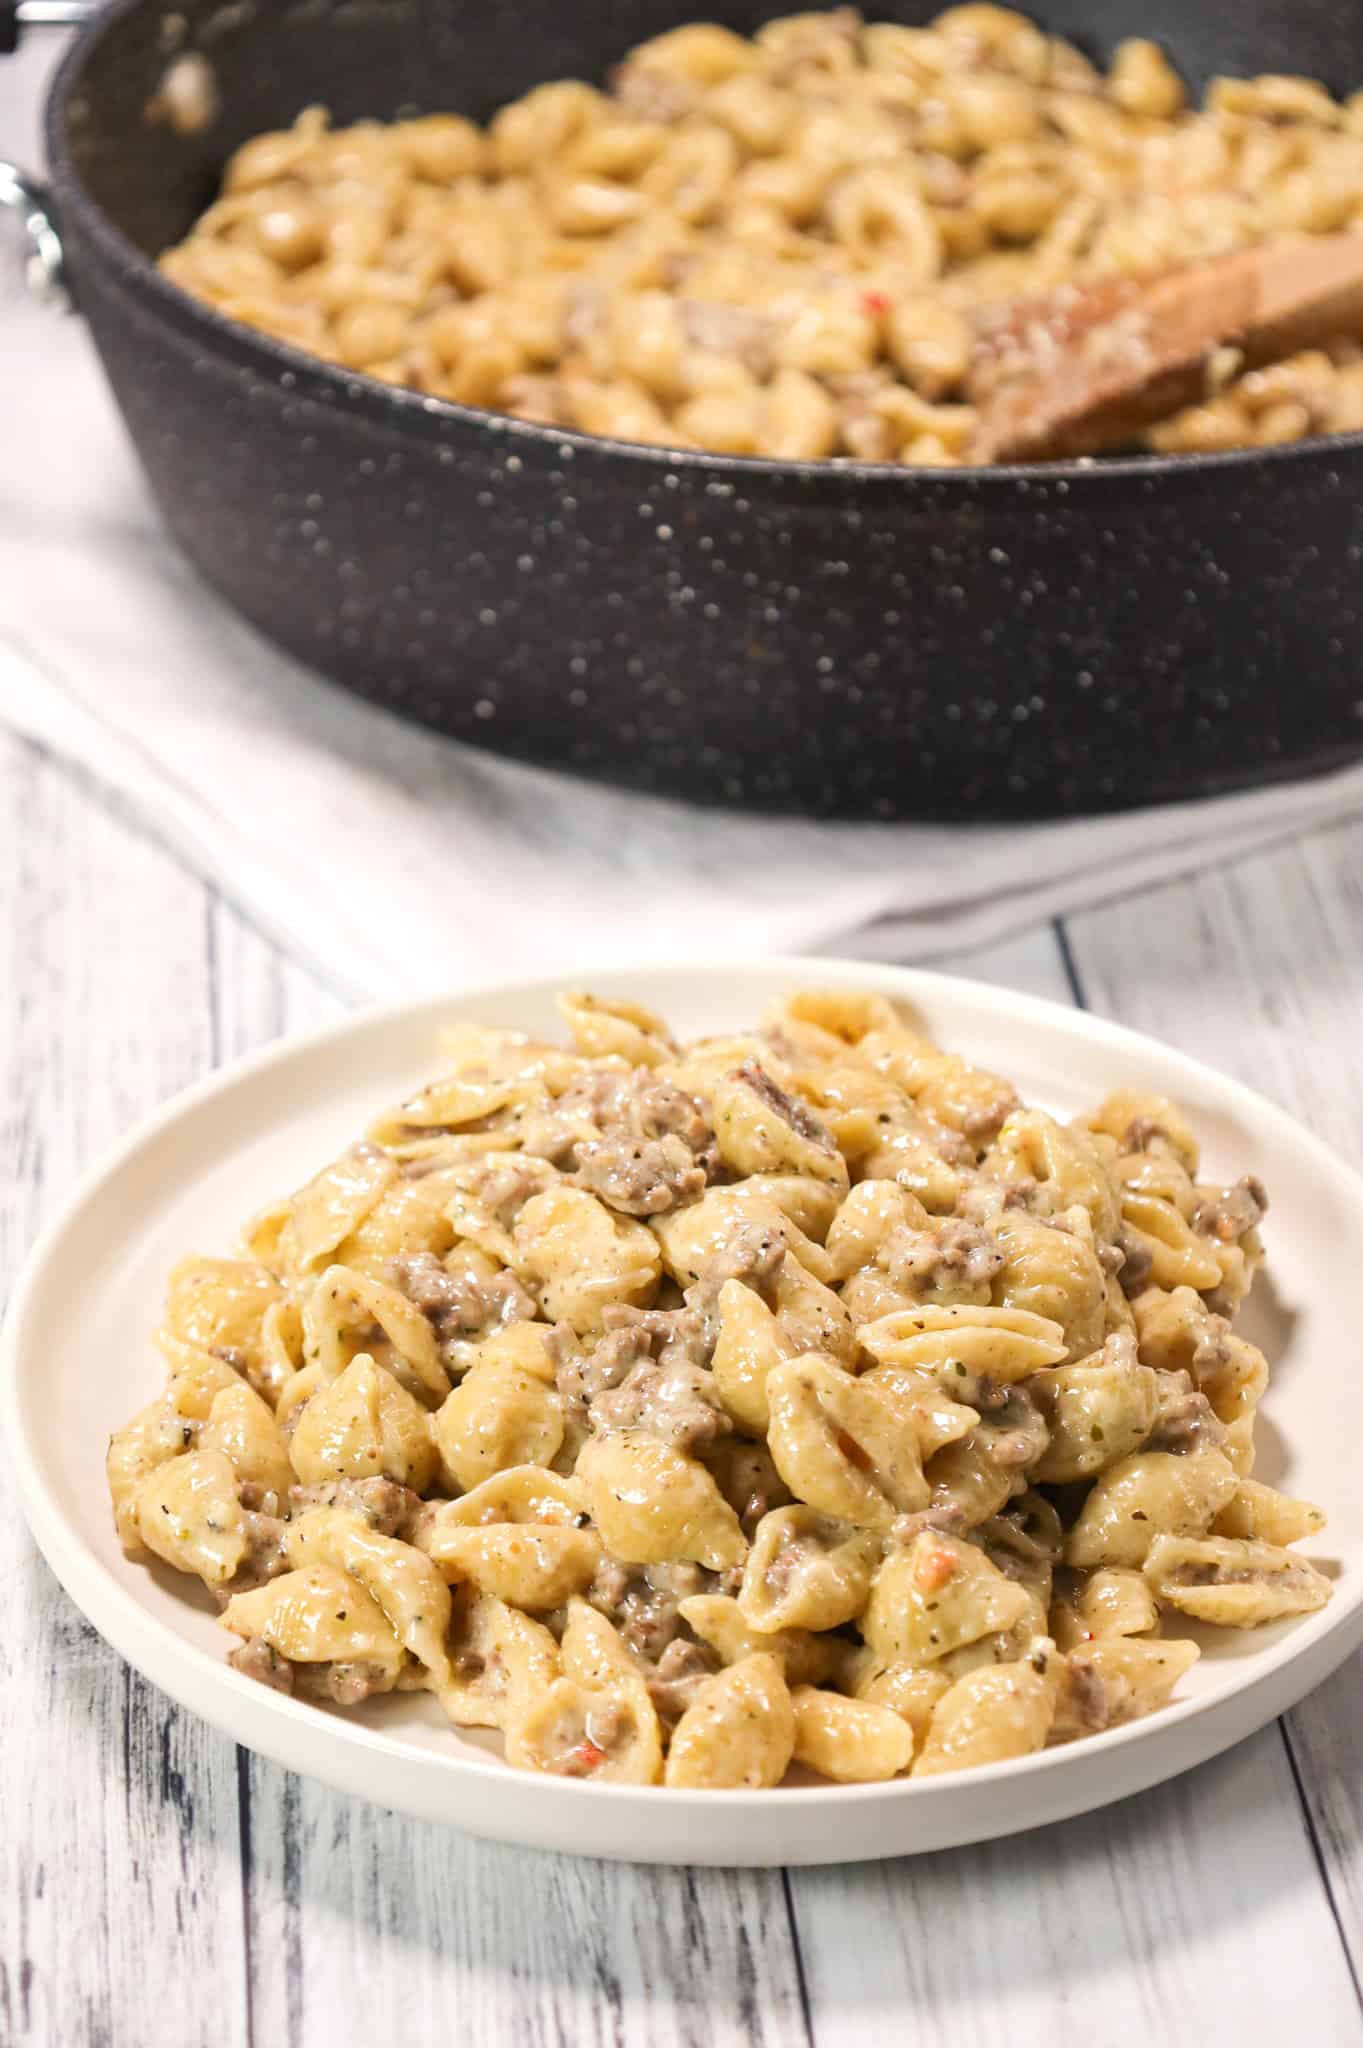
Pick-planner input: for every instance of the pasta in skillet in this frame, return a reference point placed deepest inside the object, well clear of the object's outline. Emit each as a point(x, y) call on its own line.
point(799, 245)
point(683, 1412)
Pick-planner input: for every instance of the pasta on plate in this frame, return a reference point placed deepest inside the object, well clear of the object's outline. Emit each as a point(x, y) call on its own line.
point(790, 245)
point(682, 1412)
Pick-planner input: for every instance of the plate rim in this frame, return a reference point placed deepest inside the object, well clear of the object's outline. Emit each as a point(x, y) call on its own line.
point(1321, 1641)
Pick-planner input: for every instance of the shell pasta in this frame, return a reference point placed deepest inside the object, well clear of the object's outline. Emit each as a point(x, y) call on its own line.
point(686, 1413)
point(792, 245)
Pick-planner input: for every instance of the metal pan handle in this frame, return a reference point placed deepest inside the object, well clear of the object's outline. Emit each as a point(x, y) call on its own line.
point(44, 259)
point(17, 15)
point(22, 196)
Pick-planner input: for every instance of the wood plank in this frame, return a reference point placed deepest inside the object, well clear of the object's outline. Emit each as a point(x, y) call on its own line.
point(1258, 969)
point(1149, 1921)
point(364, 1921)
point(1253, 968)
point(120, 1884)
point(257, 993)
point(1032, 961)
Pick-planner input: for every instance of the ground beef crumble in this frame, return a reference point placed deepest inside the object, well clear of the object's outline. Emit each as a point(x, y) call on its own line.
point(1014, 1432)
point(345, 1682)
point(639, 1176)
point(649, 1373)
point(460, 1306)
point(1231, 1215)
point(947, 1520)
point(255, 1658)
point(754, 1254)
point(606, 1104)
point(643, 1602)
point(957, 1254)
point(1137, 1261)
point(1212, 1351)
point(388, 1508)
point(1086, 1695)
point(1184, 1418)
point(678, 1676)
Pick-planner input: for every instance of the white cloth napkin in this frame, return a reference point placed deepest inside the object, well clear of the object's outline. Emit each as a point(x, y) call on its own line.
point(389, 860)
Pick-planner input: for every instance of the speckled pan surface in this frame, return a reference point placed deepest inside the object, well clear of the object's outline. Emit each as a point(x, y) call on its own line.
point(77, 1360)
point(824, 638)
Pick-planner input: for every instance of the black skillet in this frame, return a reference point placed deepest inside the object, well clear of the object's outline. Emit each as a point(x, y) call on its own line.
point(826, 638)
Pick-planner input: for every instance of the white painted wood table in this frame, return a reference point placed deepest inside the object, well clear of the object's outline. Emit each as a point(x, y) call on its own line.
point(160, 1888)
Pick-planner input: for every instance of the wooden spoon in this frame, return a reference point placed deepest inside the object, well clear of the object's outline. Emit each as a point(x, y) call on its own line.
point(1087, 366)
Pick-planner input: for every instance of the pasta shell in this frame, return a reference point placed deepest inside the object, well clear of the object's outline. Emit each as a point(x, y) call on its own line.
point(936, 1596)
point(347, 1313)
point(739, 1732)
point(652, 1504)
point(578, 1258)
point(1097, 1411)
point(759, 1128)
point(363, 1426)
point(1003, 1343)
point(805, 1657)
point(990, 1715)
point(1233, 1582)
point(498, 1417)
point(317, 1615)
point(532, 1566)
point(1267, 1516)
point(851, 1741)
point(501, 1662)
point(187, 1511)
point(617, 1030)
point(806, 1570)
point(402, 1583)
point(240, 1425)
point(849, 1447)
point(1150, 1494)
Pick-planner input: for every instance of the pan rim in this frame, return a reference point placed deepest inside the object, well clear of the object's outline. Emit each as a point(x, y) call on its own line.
point(396, 407)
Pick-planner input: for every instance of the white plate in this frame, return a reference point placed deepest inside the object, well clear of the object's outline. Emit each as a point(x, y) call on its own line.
point(78, 1360)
